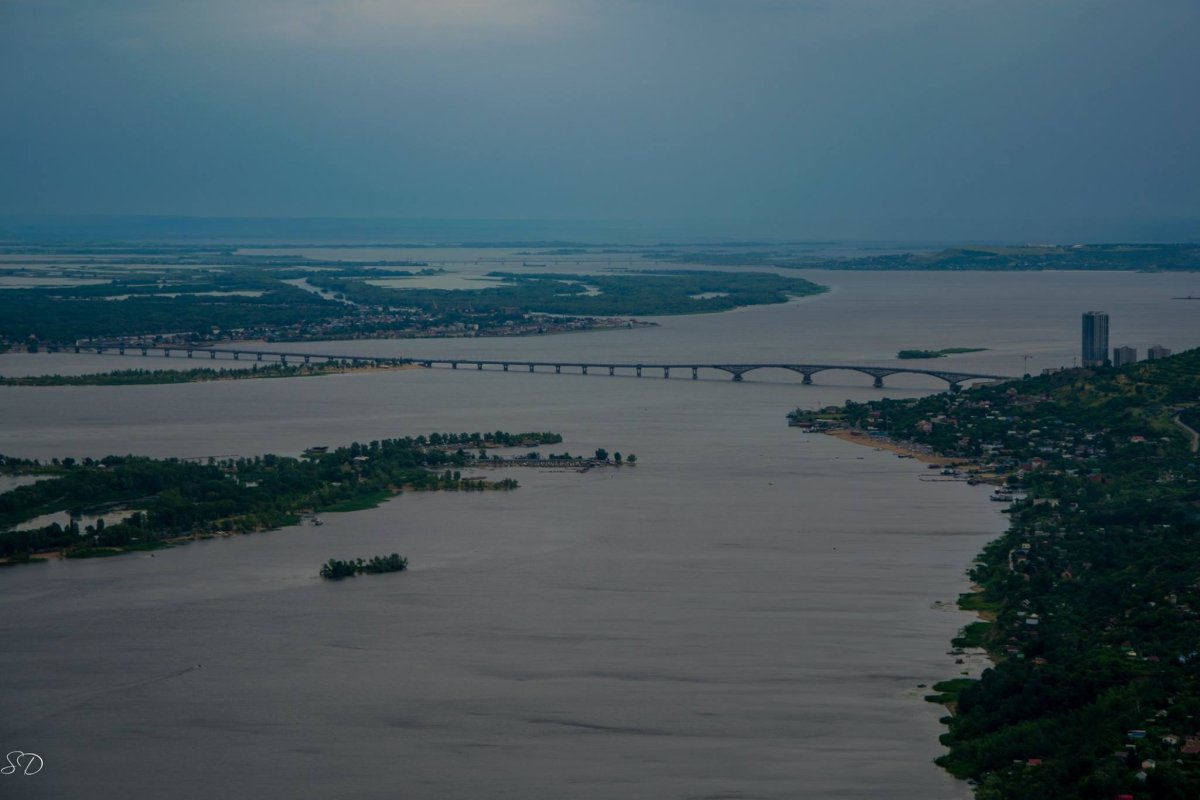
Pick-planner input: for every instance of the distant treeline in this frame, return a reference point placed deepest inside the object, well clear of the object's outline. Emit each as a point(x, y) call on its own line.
point(1149, 257)
point(203, 374)
point(144, 377)
point(66, 315)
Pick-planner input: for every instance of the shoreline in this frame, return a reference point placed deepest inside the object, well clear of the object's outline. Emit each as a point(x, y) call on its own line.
point(949, 702)
point(909, 450)
point(899, 448)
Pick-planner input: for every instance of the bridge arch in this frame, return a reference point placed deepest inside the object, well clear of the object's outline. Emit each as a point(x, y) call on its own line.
point(735, 370)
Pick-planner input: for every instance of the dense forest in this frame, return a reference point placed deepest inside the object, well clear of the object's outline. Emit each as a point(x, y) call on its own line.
point(56, 318)
point(1092, 598)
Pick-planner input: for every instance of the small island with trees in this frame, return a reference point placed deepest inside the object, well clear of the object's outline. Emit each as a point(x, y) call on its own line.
point(335, 570)
point(945, 351)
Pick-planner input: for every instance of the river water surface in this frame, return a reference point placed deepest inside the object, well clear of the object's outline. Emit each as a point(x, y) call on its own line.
point(747, 613)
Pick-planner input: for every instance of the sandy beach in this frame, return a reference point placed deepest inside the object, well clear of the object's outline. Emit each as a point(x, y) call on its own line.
point(860, 438)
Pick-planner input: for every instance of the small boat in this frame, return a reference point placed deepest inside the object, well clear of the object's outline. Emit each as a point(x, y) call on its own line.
point(317, 521)
point(1002, 496)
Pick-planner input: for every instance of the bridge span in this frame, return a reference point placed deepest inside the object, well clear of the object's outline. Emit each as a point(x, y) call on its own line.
point(735, 370)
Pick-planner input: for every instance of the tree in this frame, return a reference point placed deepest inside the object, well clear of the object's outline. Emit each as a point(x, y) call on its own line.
point(617, 457)
point(601, 454)
point(632, 459)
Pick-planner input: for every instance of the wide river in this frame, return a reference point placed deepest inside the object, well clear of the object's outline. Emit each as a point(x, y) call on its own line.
point(747, 613)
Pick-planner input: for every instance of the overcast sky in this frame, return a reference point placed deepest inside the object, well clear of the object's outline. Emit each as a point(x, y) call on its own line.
point(870, 119)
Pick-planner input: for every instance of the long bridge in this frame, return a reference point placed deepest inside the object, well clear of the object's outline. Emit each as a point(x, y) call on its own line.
point(736, 370)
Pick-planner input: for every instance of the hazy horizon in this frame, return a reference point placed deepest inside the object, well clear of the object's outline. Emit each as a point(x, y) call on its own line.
point(510, 232)
point(1019, 121)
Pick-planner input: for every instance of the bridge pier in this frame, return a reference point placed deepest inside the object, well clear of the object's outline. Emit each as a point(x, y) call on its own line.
point(955, 381)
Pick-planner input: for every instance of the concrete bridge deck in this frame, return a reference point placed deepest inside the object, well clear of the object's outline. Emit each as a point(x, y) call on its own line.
point(735, 370)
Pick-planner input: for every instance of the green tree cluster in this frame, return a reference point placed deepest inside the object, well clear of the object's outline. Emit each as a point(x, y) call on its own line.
point(335, 570)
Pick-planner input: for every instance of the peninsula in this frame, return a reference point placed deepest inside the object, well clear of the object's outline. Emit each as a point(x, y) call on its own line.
point(157, 502)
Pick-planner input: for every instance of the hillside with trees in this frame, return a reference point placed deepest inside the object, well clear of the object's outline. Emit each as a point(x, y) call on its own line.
point(1091, 599)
